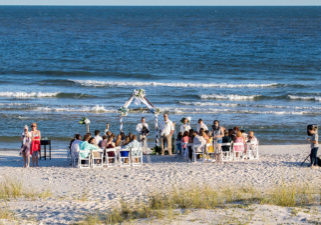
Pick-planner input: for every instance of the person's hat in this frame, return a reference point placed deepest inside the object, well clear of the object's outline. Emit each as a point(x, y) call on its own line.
point(26, 127)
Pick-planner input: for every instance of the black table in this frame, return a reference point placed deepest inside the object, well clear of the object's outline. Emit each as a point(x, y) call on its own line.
point(46, 143)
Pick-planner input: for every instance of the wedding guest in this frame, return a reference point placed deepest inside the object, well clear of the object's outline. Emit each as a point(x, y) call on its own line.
point(239, 139)
point(75, 148)
point(87, 145)
point(251, 138)
point(179, 142)
point(135, 147)
point(110, 143)
point(103, 143)
point(98, 138)
point(200, 125)
point(25, 148)
point(167, 130)
point(244, 135)
point(227, 139)
point(218, 133)
point(184, 143)
point(107, 128)
point(185, 125)
point(199, 141)
point(118, 140)
point(35, 144)
point(252, 141)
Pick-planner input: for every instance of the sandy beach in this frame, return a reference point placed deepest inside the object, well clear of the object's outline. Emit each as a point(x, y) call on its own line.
point(77, 192)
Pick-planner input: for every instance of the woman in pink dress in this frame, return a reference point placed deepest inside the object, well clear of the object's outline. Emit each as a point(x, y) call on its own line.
point(239, 139)
point(35, 144)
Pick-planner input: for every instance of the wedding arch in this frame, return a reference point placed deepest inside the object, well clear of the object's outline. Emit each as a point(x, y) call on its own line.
point(138, 97)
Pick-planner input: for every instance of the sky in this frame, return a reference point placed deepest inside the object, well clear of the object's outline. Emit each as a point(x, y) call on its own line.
point(161, 2)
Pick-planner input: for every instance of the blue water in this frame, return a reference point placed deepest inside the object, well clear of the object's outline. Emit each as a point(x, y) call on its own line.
point(255, 67)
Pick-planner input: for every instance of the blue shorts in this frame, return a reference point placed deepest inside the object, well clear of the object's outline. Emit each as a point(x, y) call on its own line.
point(124, 153)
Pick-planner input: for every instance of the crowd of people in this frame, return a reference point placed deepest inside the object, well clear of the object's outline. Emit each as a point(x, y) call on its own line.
point(89, 143)
point(202, 136)
point(211, 140)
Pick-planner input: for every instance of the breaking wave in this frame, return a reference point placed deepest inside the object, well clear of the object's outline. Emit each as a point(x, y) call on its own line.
point(231, 97)
point(94, 83)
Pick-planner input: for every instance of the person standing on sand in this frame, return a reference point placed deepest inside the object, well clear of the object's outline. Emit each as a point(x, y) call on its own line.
point(218, 134)
point(167, 130)
point(185, 125)
point(25, 148)
point(35, 144)
point(201, 125)
point(314, 140)
point(143, 130)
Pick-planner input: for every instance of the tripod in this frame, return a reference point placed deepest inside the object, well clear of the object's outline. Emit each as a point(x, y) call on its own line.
point(305, 159)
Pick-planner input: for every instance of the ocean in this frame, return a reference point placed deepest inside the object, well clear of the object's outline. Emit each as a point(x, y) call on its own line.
point(253, 67)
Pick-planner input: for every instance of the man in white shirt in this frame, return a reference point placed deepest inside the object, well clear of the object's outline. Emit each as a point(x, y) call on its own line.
point(75, 149)
point(167, 130)
point(98, 138)
point(185, 126)
point(143, 130)
point(200, 125)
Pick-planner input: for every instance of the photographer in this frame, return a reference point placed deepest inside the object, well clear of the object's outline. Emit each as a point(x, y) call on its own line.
point(143, 131)
point(313, 132)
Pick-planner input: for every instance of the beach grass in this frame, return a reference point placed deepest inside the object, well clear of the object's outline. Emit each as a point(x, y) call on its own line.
point(6, 214)
point(204, 197)
point(12, 189)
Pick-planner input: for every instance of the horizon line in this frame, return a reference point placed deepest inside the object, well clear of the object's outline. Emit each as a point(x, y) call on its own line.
point(165, 5)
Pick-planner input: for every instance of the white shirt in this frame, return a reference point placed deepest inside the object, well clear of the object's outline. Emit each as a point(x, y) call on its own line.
point(167, 127)
point(184, 127)
point(75, 146)
point(202, 125)
point(98, 139)
point(26, 140)
point(140, 126)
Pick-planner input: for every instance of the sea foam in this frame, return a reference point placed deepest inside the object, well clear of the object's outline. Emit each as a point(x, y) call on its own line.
point(95, 83)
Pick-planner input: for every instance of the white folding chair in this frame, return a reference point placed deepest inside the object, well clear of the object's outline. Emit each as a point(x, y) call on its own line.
point(198, 150)
point(74, 159)
point(136, 156)
point(69, 156)
point(124, 157)
point(252, 151)
point(111, 156)
point(226, 154)
point(210, 155)
point(84, 162)
point(238, 150)
point(97, 159)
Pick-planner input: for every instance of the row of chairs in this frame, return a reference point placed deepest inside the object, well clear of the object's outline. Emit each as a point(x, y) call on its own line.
point(228, 152)
point(112, 157)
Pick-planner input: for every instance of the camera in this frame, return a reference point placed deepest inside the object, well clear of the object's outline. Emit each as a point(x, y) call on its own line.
point(311, 127)
point(145, 131)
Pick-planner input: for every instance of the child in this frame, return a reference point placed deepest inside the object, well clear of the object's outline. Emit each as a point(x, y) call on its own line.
point(185, 141)
point(314, 140)
point(226, 139)
point(179, 143)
